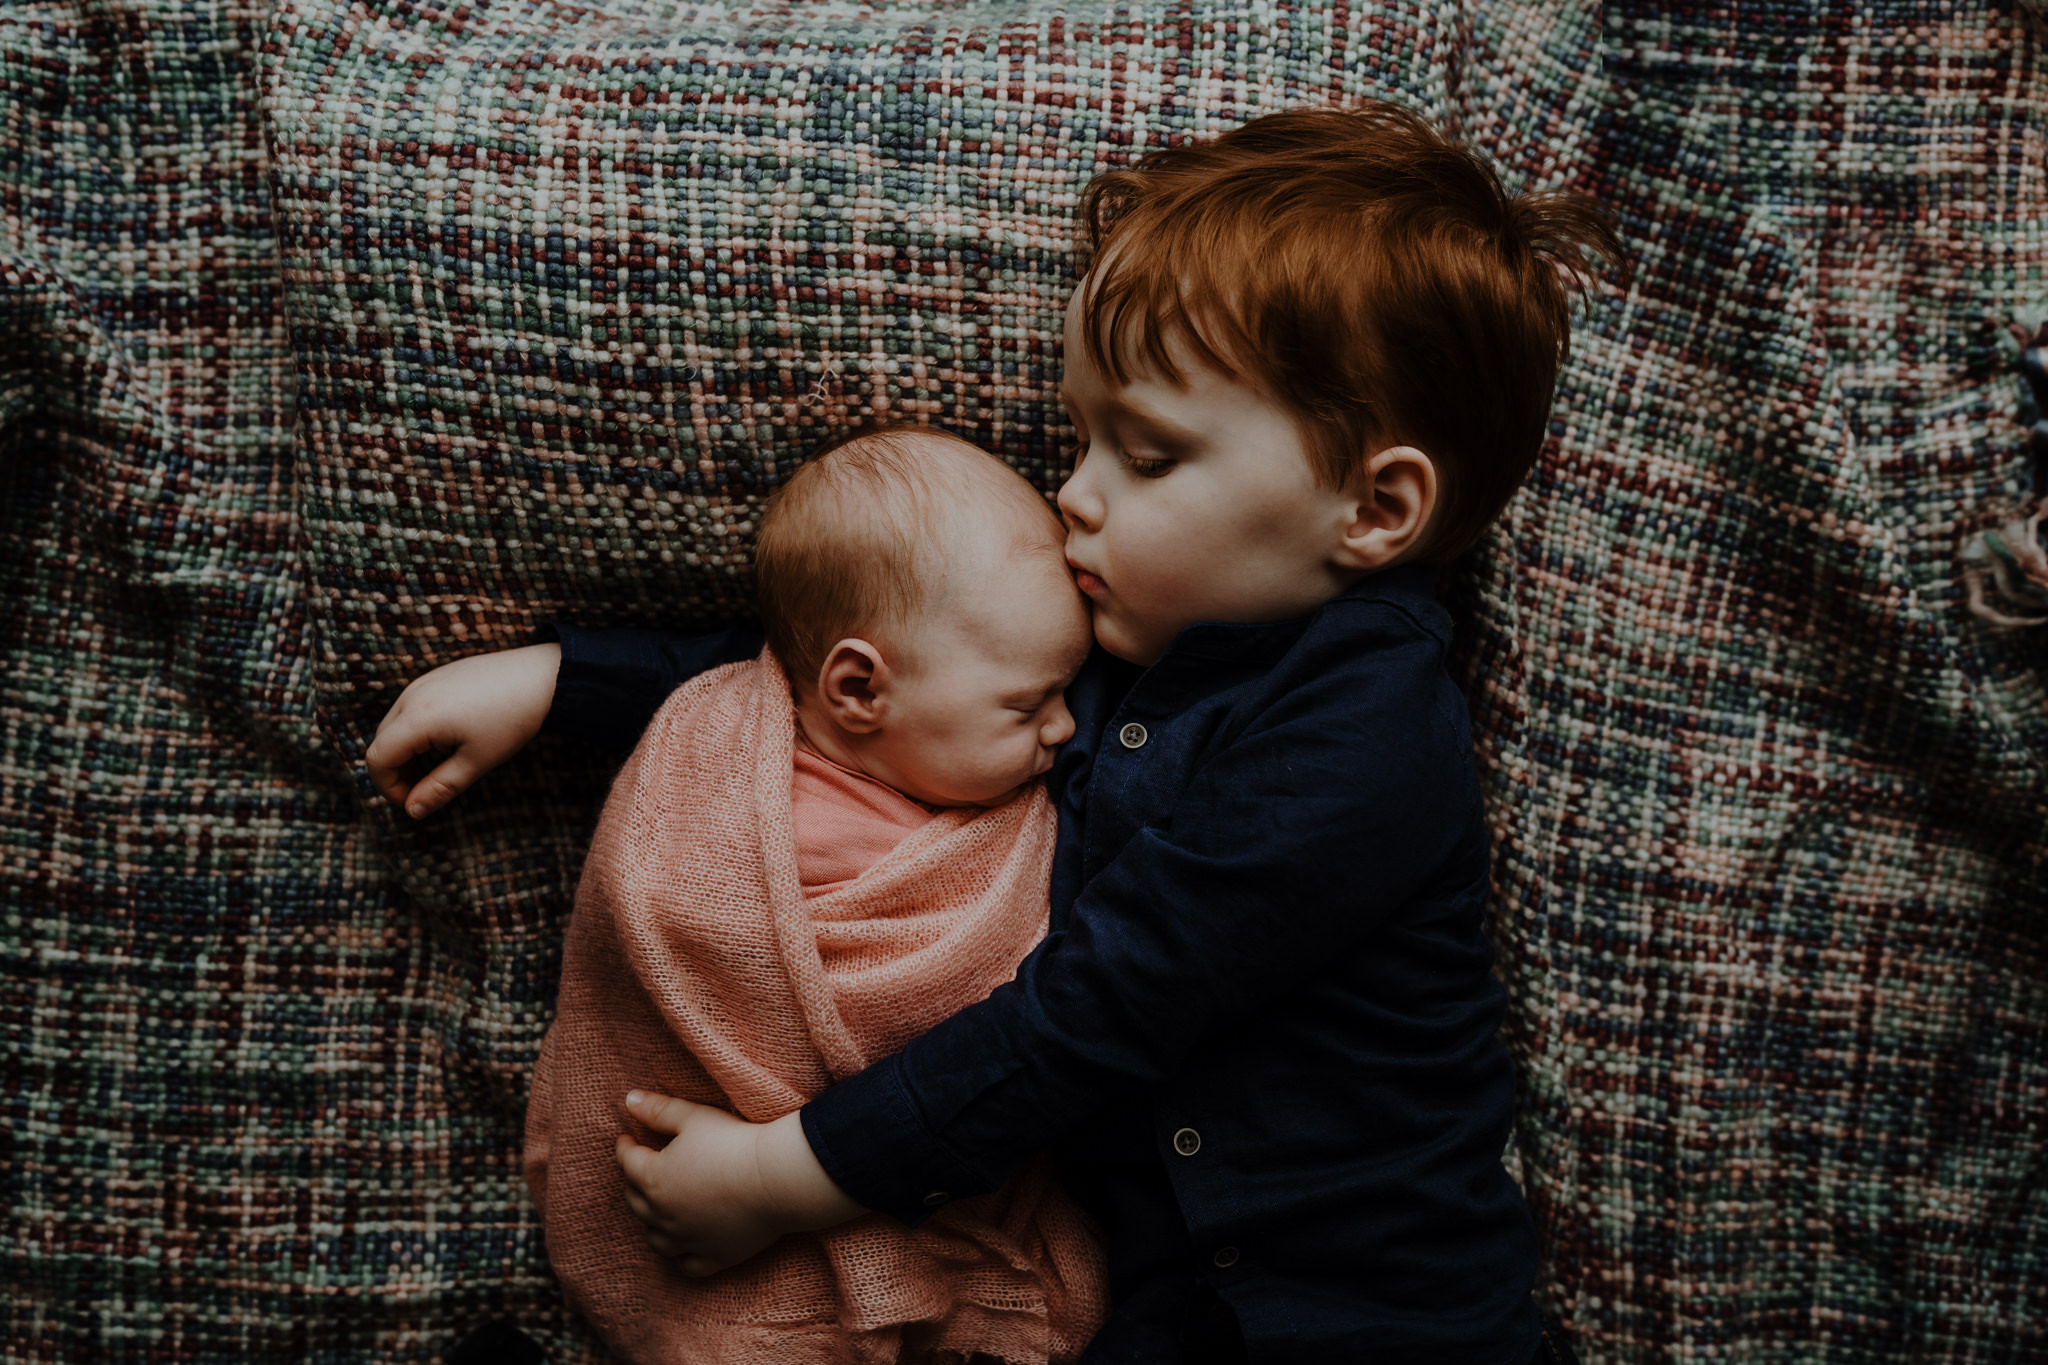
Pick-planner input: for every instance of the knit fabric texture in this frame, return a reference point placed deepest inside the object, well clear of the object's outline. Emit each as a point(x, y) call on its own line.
point(696, 966)
point(343, 338)
point(844, 822)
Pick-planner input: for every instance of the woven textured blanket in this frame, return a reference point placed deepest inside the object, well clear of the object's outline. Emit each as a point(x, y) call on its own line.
point(341, 339)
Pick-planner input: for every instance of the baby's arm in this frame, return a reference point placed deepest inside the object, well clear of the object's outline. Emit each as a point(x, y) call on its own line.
point(453, 725)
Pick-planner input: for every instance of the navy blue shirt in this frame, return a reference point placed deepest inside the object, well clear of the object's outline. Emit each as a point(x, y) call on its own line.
point(1261, 1037)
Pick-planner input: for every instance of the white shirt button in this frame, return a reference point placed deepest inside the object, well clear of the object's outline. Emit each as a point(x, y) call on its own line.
point(936, 1198)
point(1187, 1142)
point(1133, 736)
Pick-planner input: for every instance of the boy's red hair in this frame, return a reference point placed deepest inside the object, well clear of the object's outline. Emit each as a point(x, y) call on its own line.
point(1367, 273)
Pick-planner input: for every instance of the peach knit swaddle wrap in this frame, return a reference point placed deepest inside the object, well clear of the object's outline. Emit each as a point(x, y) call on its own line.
point(696, 967)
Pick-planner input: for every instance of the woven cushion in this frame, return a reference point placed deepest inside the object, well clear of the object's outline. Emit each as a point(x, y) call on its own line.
point(572, 289)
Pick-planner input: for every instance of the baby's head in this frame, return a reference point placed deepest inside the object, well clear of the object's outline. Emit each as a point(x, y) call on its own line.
point(914, 588)
point(1316, 346)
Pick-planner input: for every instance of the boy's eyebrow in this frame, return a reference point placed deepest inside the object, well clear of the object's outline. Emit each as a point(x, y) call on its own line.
point(1160, 424)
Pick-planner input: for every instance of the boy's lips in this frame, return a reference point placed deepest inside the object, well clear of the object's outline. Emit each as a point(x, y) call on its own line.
point(1084, 580)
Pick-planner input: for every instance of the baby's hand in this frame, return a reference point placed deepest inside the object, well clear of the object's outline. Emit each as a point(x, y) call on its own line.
point(723, 1189)
point(453, 725)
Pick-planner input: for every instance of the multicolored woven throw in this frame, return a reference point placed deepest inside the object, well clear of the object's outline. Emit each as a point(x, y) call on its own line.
point(338, 340)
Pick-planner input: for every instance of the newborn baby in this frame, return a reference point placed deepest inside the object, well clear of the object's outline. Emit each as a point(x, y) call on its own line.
point(811, 859)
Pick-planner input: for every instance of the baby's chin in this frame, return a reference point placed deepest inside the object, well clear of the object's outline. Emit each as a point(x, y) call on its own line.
point(990, 801)
point(1002, 798)
point(983, 793)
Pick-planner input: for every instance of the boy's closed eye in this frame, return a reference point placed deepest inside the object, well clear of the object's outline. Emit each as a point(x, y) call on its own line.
point(1144, 466)
point(1148, 466)
point(1147, 443)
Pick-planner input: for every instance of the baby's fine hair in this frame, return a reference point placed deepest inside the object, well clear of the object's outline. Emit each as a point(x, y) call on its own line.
point(1367, 273)
point(862, 538)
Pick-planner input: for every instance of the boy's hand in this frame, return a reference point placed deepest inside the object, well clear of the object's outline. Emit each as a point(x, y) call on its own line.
point(723, 1189)
point(451, 726)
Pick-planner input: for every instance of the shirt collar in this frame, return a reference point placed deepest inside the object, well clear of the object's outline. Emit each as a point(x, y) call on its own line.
point(1412, 587)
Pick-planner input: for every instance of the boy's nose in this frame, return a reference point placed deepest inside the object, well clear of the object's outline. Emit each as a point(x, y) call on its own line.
point(1079, 505)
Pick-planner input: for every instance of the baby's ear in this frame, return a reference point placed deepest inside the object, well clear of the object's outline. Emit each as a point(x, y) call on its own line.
point(850, 686)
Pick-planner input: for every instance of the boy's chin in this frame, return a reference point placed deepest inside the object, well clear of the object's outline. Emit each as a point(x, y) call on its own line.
point(1114, 639)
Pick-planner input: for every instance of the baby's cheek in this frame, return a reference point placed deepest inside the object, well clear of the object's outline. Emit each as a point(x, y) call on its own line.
point(1013, 754)
point(1021, 758)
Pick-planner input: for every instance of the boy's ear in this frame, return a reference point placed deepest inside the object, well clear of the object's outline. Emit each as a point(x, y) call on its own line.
point(851, 683)
point(1392, 496)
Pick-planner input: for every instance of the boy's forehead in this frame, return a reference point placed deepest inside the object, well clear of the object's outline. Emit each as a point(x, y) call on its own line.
point(1125, 342)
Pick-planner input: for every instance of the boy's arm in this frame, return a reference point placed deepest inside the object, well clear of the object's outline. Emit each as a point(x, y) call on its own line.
point(611, 682)
point(454, 724)
point(1284, 854)
point(762, 1181)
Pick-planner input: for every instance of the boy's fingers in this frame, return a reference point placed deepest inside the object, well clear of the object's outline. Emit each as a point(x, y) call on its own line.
point(635, 1163)
point(664, 1245)
point(390, 784)
point(397, 736)
point(390, 719)
point(383, 761)
point(388, 755)
point(448, 780)
point(659, 1112)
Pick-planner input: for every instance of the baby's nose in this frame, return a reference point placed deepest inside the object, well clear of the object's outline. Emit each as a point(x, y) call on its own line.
point(1059, 726)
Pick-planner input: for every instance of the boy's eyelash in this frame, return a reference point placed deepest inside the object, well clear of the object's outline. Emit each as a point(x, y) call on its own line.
point(1140, 466)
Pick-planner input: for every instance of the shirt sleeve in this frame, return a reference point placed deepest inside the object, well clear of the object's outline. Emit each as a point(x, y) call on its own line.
point(611, 682)
point(1288, 848)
